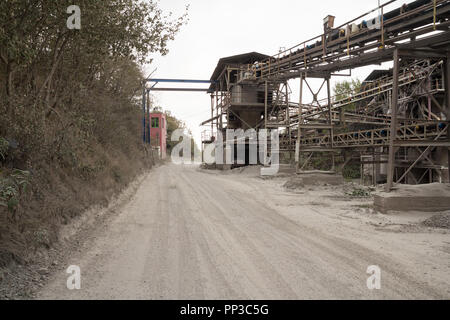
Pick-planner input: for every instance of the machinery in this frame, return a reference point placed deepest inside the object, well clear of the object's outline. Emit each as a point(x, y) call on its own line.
point(396, 124)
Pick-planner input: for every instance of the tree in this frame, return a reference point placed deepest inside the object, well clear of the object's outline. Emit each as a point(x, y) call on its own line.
point(69, 100)
point(172, 124)
point(47, 70)
point(346, 89)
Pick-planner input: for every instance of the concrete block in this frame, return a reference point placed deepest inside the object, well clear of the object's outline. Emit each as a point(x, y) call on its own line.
point(423, 198)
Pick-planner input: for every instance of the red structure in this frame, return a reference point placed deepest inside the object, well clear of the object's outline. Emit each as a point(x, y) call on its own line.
point(158, 133)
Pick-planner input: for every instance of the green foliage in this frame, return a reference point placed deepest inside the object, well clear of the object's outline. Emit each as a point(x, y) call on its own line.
point(346, 89)
point(63, 92)
point(351, 171)
point(319, 161)
point(12, 187)
point(172, 124)
point(358, 192)
point(126, 28)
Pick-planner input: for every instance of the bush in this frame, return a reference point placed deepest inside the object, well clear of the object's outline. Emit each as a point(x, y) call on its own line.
point(12, 187)
point(358, 192)
point(351, 171)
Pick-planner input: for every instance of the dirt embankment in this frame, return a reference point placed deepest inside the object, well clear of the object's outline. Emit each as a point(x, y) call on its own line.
point(30, 236)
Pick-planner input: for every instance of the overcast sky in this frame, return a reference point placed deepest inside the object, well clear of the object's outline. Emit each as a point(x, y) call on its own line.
point(228, 27)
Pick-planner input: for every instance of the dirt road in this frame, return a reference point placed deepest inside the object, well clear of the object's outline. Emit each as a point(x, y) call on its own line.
point(189, 234)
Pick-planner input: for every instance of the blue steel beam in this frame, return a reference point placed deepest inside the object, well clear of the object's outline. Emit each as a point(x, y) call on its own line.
point(180, 81)
point(156, 81)
point(144, 122)
point(178, 89)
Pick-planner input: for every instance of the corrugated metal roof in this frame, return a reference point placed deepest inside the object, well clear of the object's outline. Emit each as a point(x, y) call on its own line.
point(377, 74)
point(246, 58)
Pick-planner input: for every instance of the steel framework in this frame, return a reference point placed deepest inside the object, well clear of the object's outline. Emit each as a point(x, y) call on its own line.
point(400, 120)
point(146, 98)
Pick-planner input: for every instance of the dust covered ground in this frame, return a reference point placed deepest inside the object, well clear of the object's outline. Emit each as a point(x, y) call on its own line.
point(188, 233)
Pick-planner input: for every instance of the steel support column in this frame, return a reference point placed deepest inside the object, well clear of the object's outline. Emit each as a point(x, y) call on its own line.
point(300, 122)
point(447, 103)
point(265, 104)
point(148, 118)
point(330, 116)
point(393, 131)
point(212, 115)
point(288, 120)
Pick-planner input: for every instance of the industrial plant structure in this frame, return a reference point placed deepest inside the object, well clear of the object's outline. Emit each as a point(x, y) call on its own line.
point(396, 124)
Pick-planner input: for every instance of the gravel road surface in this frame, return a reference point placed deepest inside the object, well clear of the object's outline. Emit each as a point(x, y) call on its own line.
point(192, 234)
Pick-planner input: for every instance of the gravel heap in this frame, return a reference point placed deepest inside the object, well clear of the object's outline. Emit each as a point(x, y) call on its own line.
point(438, 221)
point(294, 183)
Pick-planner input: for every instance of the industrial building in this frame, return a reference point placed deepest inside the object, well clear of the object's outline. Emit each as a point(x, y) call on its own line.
point(396, 125)
point(158, 133)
